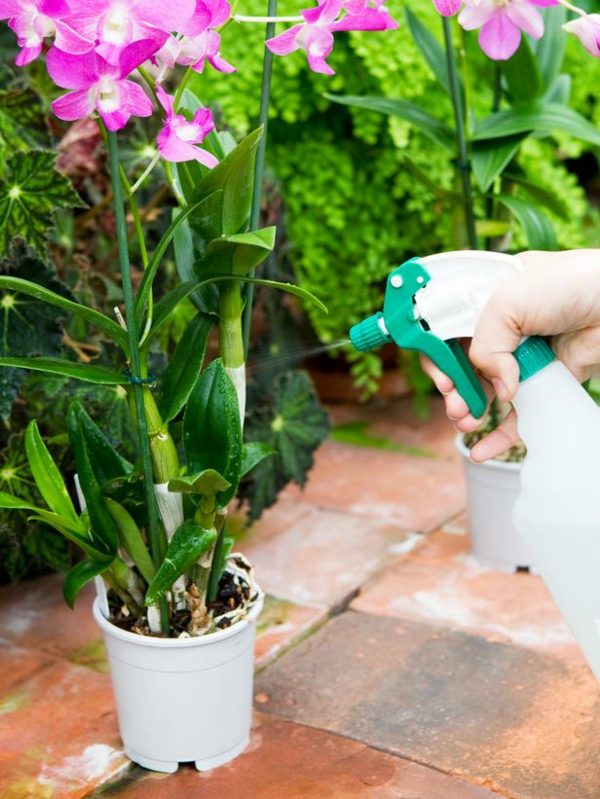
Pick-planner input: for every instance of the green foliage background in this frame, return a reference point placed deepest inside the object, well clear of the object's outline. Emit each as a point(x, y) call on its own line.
point(354, 208)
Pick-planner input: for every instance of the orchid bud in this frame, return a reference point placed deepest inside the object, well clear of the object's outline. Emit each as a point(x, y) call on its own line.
point(587, 30)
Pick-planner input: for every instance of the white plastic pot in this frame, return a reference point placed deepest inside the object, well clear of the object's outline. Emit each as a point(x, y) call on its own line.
point(181, 700)
point(492, 490)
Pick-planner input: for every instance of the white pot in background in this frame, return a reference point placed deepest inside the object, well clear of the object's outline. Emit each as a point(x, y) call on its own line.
point(181, 700)
point(492, 489)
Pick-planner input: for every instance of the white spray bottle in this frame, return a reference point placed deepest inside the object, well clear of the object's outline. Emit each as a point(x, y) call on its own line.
point(431, 303)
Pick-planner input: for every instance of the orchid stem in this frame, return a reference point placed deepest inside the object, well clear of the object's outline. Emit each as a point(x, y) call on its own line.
point(273, 19)
point(259, 167)
point(148, 171)
point(154, 534)
point(181, 88)
point(459, 121)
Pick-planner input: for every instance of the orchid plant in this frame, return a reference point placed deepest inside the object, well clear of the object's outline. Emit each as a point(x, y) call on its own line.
point(153, 532)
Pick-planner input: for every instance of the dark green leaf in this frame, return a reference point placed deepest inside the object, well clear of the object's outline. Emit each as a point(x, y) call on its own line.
point(47, 475)
point(252, 454)
point(208, 483)
point(432, 50)
point(205, 299)
point(212, 434)
point(537, 116)
point(58, 366)
point(30, 194)
point(223, 547)
point(106, 461)
point(189, 543)
point(184, 367)
point(237, 254)
point(437, 131)
point(553, 201)
point(129, 491)
point(234, 177)
point(522, 74)
point(22, 121)
point(538, 228)
point(79, 576)
point(490, 158)
point(294, 424)
point(550, 49)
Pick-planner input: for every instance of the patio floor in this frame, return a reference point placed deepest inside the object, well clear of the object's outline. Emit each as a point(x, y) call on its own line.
point(390, 664)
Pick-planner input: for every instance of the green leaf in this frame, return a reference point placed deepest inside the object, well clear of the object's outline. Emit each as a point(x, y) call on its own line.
point(537, 116)
point(208, 483)
point(551, 200)
point(106, 461)
point(206, 299)
point(437, 131)
point(492, 228)
point(32, 191)
point(99, 320)
point(189, 543)
point(47, 475)
point(79, 576)
point(252, 454)
point(234, 178)
point(237, 254)
point(293, 423)
point(103, 529)
point(145, 288)
point(550, 49)
point(538, 228)
point(129, 491)
point(28, 328)
point(212, 434)
point(432, 50)
point(165, 306)
point(23, 124)
point(490, 158)
point(184, 367)
point(87, 372)
point(560, 90)
point(522, 74)
point(131, 539)
point(223, 547)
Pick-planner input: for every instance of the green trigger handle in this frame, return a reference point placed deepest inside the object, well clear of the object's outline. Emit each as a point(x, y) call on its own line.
point(397, 323)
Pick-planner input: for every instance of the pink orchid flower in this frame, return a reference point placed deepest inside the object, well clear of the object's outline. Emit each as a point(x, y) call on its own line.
point(176, 141)
point(35, 20)
point(115, 24)
point(501, 22)
point(315, 34)
point(100, 85)
point(201, 42)
point(587, 30)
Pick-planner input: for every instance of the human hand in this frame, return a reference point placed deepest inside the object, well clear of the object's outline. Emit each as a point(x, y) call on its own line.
point(558, 295)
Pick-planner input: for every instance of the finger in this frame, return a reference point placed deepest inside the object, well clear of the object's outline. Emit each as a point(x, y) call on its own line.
point(456, 407)
point(442, 382)
point(579, 351)
point(498, 441)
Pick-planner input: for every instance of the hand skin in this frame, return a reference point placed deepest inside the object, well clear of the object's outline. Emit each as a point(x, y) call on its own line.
point(557, 295)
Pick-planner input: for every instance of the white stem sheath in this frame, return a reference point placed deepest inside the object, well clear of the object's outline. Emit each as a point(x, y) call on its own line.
point(170, 507)
point(153, 616)
point(98, 581)
point(237, 375)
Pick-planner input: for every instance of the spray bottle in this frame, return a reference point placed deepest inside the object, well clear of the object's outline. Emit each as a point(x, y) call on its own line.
point(431, 303)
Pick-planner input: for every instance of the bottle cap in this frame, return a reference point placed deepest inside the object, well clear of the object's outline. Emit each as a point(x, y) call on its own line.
point(532, 355)
point(369, 334)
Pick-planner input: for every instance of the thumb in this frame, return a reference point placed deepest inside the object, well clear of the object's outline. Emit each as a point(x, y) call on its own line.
point(579, 351)
point(496, 337)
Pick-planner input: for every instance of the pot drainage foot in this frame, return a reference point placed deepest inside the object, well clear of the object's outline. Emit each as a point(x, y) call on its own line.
point(165, 766)
point(224, 757)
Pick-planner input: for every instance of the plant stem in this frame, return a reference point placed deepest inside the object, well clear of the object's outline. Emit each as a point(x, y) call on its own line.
point(231, 340)
point(154, 533)
point(496, 100)
point(459, 120)
point(269, 18)
point(259, 168)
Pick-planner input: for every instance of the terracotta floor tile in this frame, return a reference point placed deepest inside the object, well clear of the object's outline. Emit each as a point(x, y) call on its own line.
point(506, 717)
point(35, 616)
point(323, 558)
point(441, 583)
point(289, 761)
point(61, 737)
point(280, 624)
point(397, 421)
point(410, 492)
point(16, 666)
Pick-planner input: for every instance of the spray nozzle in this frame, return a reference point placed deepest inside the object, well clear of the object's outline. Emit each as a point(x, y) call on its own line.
point(432, 302)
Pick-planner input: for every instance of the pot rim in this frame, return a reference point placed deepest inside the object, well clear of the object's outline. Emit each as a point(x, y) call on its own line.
point(507, 466)
point(111, 629)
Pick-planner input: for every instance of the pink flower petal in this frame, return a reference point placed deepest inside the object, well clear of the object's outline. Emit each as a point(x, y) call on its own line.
point(167, 15)
point(199, 21)
point(319, 44)
point(71, 42)
point(173, 148)
point(499, 38)
point(448, 8)
point(526, 17)
point(56, 9)
point(323, 14)
point(220, 12)
point(75, 105)
point(134, 99)
point(72, 71)
point(115, 120)
point(206, 158)
point(166, 100)
point(544, 3)
point(9, 8)
point(135, 54)
point(370, 19)
point(205, 121)
point(285, 42)
point(587, 30)
point(28, 54)
point(219, 63)
point(474, 15)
